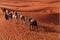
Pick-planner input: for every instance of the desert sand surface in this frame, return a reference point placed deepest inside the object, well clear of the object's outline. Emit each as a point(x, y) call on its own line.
point(48, 22)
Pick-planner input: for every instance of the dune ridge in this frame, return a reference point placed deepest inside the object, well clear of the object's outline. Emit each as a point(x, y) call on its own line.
point(31, 6)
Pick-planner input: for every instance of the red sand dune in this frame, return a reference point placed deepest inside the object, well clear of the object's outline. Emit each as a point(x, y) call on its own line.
point(49, 27)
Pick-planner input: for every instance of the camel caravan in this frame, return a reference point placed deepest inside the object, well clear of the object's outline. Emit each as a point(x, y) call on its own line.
point(12, 14)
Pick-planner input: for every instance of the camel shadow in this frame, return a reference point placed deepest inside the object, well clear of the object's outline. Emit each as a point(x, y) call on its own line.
point(47, 29)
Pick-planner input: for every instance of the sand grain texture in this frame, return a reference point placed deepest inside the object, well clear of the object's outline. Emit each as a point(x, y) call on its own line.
point(49, 27)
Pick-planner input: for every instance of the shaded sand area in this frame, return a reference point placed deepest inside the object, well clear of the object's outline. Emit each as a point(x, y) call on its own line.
point(48, 22)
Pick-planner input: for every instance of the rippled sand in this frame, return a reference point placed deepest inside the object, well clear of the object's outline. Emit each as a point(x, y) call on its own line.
point(49, 28)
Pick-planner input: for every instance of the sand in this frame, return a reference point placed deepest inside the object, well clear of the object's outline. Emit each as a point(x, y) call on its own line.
point(49, 27)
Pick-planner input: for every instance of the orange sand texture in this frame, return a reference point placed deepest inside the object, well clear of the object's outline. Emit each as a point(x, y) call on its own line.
point(48, 22)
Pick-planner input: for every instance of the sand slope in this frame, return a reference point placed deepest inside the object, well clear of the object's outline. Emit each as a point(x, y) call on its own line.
point(48, 22)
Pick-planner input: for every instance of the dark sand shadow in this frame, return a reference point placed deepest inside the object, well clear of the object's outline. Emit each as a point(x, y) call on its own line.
point(47, 29)
point(50, 18)
point(53, 19)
